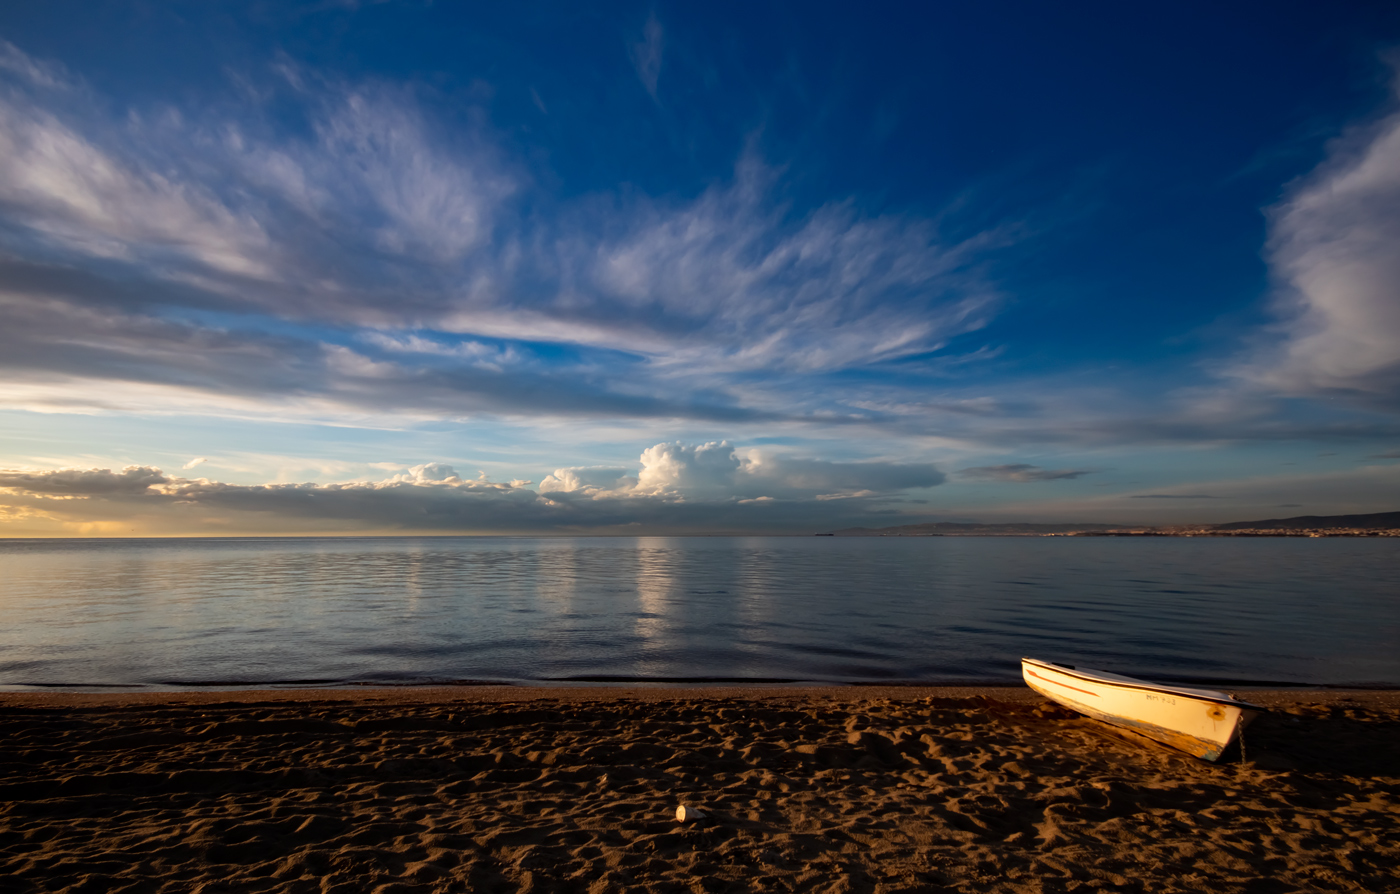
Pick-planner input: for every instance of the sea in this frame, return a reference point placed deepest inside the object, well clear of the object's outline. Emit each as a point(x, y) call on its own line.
point(178, 614)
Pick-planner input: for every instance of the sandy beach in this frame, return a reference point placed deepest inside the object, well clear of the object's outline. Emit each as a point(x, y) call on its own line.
point(807, 789)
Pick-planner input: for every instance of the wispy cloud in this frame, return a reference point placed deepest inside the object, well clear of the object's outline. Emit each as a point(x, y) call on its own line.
point(435, 204)
point(734, 279)
point(314, 222)
point(373, 257)
point(81, 200)
point(46, 75)
point(646, 54)
point(1216, 500)
point(1334, 248)
point(1172, 497)
point(1019, 472)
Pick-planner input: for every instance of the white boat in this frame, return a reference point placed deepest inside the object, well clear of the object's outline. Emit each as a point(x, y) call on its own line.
point(1200, 722)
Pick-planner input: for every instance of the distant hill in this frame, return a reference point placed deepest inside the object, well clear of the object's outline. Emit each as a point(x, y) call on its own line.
point(1383, 520)
point(1373, 520)
point(936, 528)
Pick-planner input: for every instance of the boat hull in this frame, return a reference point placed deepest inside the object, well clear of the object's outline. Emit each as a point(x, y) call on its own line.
point(1199, 722)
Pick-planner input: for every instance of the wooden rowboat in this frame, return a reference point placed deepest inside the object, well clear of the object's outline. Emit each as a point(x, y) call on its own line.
point(1200, 722)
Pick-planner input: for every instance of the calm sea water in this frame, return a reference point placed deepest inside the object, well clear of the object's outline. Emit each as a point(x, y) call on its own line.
point(163, 613)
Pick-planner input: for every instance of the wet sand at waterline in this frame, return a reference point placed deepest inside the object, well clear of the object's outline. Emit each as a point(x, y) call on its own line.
point(805, 789)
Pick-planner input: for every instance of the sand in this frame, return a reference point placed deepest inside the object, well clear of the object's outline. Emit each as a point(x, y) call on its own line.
point(821, 789)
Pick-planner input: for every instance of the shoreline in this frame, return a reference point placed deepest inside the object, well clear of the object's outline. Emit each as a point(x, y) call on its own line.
point(60, 694)
point(432, 693)
point(809, 788)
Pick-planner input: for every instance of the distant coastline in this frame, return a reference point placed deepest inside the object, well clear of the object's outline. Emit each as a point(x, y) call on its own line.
point(1378, 524)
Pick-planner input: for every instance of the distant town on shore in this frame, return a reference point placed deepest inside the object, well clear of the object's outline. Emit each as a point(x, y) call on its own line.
point(1377, 524)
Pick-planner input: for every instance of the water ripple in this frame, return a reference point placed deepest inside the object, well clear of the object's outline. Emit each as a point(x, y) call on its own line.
point(193, 613)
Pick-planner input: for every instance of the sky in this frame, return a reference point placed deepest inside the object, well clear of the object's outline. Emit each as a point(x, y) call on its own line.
point(660, 268)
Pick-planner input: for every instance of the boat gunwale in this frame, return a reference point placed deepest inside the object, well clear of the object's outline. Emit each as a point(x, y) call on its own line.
point(1197, 694)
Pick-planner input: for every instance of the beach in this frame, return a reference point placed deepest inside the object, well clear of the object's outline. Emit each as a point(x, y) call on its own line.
point(856, 788)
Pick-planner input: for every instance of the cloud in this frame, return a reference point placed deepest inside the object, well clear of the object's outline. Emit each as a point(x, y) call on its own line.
point(304, 221)
point(1333, 248)
point(428, 473)
point(717, 471)
point(434, 204)
point(1389, 454)
point(84, 482)
point(60, 354)
point(679, 487)
point(476, 353)
point(787, 474)
point(199, 460)
point(1345, 492)
point(354, 247)
point(591, 480)
point(689, 467)
point(45, 75)
point(1172, 497)
point(1020, 472)
point(776, 494)
point(749, 285)
point(646, 55)
point(80, 199)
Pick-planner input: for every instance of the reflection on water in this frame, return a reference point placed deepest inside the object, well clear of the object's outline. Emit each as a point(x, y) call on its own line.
point(244, 612)
point(654, 616)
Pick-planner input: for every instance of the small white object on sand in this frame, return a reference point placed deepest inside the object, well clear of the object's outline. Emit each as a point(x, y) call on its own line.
point(685, 814)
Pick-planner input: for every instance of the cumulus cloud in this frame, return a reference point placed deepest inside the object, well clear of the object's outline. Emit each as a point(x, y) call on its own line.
point(679, 487)
point(589, 480)
point(1335, 247)
point(717, 471)
point(689, 467)
point(1019, 472)
point(428, 473)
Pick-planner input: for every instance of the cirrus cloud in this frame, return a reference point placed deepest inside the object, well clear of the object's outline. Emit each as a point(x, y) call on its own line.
point(1335, 247)
point(376, 251)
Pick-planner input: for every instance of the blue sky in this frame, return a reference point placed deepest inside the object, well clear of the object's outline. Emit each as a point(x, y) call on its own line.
point(399, 267)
